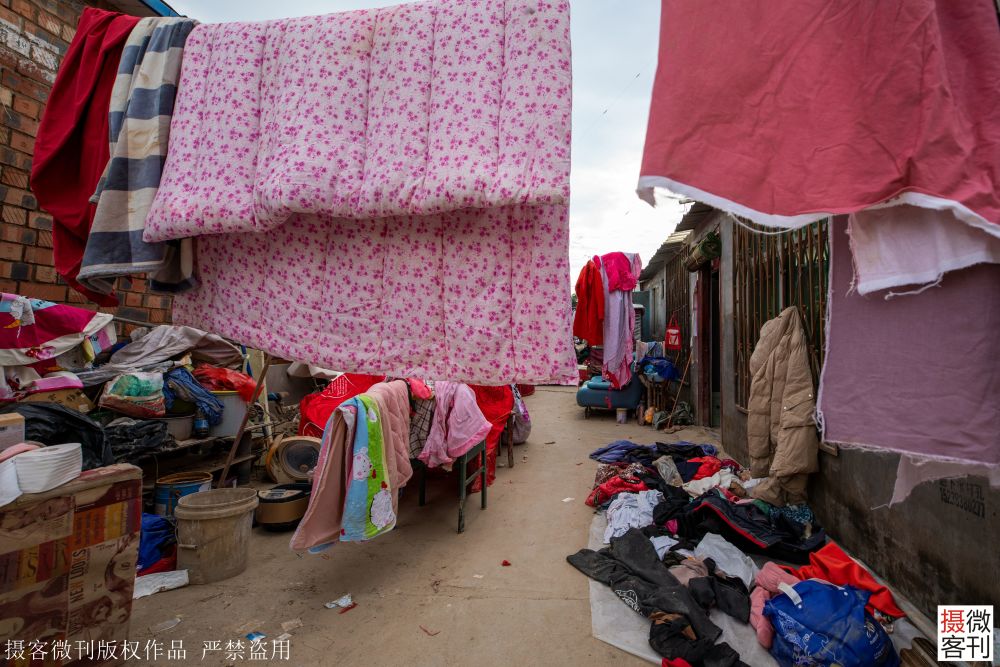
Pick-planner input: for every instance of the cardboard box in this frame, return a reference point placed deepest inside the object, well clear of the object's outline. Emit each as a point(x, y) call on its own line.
point(11, 430)
point(67, 564)
point(74, 399)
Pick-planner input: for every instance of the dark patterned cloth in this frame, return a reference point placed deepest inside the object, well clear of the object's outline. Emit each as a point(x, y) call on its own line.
point(420, 425)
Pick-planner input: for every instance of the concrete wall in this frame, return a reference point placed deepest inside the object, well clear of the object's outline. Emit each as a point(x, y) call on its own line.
point(34, 36)
point(940, 546)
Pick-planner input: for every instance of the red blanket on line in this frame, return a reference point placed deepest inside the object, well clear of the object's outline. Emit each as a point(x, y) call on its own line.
point(71, 149)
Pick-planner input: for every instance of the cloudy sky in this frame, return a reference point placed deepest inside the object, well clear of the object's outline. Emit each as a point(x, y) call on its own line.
point(614, 59)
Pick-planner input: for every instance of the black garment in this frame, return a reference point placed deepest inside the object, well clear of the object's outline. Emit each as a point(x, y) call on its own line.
point(715, 591)
point(748, 528)
point(666, 640)
point(634, 572)
point(686, 469)
point(683, 451)
point(53, 424)
point(130, 439)
point(675, 500)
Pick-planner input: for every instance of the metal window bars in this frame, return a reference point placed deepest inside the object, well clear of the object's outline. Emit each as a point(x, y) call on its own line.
point(771, 273)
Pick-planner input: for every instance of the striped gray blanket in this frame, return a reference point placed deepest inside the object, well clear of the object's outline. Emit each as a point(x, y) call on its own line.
point(142, 103)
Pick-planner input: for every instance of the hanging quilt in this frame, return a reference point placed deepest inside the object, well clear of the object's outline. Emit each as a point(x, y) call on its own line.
point(381, 191)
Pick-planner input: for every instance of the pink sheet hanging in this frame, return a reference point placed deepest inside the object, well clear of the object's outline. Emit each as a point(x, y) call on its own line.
point(788, 111)
point(381, 191)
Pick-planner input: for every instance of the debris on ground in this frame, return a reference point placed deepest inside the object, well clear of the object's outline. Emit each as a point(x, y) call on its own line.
point(293, 624)
point(341, 602)
point(348, 608)
point(477, 576)
point(430, 633)
point(283, 637)
point(551, 442)
point(159, 581)
point(505, 563)
point(568, 500)
point(165, 625)
point(255, 636)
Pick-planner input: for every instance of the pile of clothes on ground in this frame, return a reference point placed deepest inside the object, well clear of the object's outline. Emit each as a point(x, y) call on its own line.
point(67, 375)
point(686, 535)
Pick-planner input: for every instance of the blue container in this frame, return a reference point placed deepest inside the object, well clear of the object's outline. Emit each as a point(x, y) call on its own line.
point(172, 488)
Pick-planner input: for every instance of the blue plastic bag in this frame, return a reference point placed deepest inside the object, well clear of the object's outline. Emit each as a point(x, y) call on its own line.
point(156, 537)
point(817, 623)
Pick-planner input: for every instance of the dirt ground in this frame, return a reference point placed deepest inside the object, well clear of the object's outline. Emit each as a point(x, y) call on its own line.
point(426, 595)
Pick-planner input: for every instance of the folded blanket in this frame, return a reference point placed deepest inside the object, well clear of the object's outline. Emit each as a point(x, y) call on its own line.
point(387, 189)
point(142, 102)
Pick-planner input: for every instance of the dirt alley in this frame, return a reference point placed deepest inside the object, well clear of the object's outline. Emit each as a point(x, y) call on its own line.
point(537, 611)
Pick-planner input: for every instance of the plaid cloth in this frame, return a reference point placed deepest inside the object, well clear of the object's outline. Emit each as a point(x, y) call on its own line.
point(142, 103)
point(420, 425)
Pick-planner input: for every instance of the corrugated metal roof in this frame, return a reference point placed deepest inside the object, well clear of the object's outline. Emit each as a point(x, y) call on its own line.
point(695, 215)
point(663, 254)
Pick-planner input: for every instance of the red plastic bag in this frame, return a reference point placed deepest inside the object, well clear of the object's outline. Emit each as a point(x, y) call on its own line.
point(224, 379)
point(673, 338)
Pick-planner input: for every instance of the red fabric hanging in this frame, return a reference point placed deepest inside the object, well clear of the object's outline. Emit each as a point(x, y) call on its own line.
point(588, 321)
point(71, 149)
point(810, 107)
point(496, 404)
point(831, 564)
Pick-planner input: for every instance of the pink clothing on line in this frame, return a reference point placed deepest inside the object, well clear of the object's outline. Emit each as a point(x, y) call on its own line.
point(458, 424)
point(321, 523)
point(393, 402)
point(620, 271)
point(619, 327)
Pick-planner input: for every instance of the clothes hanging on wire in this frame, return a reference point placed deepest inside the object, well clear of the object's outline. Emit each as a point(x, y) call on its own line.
point(141, 105)
point(588, 319)
point(619, 315)
point(71, 147)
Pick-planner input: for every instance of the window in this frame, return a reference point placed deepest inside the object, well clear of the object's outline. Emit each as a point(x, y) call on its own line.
point(770, 273)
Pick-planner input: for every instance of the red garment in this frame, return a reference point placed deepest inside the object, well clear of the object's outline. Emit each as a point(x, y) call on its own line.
point(419, 389)
point(805, 127)
point(588, 321)
point(496, 404)
point(526, 389)
point(676, 662)
point(831, 564)
point(71, 149)
point(619, 270)
point(315, 409)
point(604, 492)
point(709, 466)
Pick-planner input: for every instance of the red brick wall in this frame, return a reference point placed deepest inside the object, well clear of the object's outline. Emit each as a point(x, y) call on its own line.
point(34, 35)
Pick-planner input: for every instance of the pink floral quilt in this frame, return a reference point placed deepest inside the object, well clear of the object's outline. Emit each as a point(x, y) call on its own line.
point(381, 191)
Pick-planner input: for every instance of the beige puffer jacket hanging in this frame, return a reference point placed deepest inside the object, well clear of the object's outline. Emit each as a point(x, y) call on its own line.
point(781, 431)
